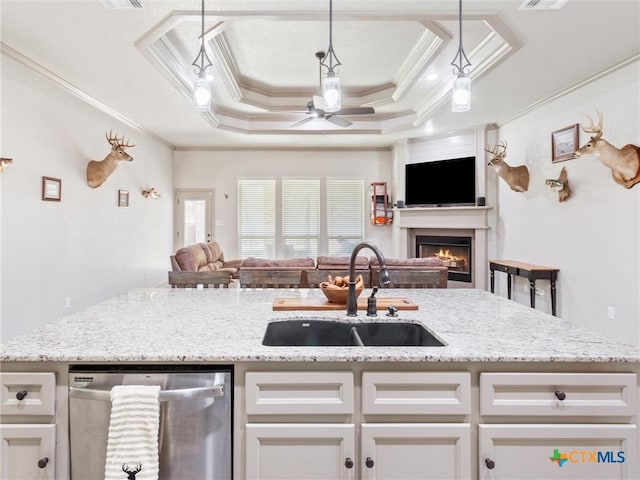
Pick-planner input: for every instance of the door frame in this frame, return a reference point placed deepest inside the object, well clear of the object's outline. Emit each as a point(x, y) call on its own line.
point(182, 193)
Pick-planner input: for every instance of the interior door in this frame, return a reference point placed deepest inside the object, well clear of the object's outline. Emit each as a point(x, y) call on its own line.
point(193, 217)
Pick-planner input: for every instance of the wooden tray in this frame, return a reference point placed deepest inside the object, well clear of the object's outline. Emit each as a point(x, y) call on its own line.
point(283, 304)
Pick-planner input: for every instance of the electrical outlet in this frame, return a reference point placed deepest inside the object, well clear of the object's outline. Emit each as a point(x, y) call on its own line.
point(67, 302)
point(539, 292)
point(611, 313)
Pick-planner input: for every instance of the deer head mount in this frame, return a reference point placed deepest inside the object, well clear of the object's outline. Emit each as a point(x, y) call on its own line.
point(516, 177)
point(4, 162)
point(99, 170)
point(624, 162)
point(561, 185)
point(151, 193)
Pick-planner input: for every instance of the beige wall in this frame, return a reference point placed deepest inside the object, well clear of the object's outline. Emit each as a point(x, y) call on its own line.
point(83, 247)
point(594, 236)
point(219, 170)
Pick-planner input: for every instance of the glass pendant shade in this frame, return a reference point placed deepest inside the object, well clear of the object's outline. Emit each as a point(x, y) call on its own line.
point(461, 95)
point(331, 93)
point(201, 94)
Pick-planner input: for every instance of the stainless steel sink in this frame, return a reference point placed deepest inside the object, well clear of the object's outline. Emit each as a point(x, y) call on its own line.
point(332, 333)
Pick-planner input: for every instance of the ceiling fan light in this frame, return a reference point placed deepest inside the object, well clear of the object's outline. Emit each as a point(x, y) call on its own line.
point(201, 94)
point(331, 93)
point(461, 94)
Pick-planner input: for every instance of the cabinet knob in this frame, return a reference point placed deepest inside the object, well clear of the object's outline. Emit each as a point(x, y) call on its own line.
point(560, 395)
point(43, 462)
point(369, 462)
point(489, 463)
point(348, 463)
point(20, 395)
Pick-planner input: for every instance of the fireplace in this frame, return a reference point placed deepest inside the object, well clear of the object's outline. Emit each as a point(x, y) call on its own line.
point(454, 252)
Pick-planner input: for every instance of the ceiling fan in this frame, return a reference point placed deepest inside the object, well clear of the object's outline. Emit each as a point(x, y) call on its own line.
point(315, 107)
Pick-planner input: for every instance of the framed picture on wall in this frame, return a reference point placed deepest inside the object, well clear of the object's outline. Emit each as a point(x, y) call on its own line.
point(51, 189)
point(563, 143)
point(123, 198)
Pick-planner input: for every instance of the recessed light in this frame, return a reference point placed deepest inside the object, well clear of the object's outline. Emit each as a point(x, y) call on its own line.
point(432, 76)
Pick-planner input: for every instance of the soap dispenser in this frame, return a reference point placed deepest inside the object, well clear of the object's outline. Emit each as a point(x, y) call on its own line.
point(372, 309)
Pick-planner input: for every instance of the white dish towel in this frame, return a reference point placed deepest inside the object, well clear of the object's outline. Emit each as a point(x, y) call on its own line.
point(133, 432)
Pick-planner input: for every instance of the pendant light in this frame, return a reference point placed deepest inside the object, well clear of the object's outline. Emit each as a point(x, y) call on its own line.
point(331, 83)
point(202, 84)
point(461, 92)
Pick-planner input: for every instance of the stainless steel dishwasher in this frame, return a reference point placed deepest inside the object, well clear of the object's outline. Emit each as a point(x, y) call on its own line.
point(195, 418)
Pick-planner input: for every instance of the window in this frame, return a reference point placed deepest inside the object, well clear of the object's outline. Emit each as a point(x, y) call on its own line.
point(300, 217)
point(345, 226)
point(287, 218)
point(257, 218)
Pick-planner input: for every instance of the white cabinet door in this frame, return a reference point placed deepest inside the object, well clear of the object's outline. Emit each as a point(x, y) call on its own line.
point(421, 451)
point(302, 451)
point(27, 452)
point(561, 452)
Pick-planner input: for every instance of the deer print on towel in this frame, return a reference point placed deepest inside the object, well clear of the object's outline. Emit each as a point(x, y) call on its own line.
point(131, 474)
point(624, 162)
point(99, 170)
point(561, 185)
point(516, 177)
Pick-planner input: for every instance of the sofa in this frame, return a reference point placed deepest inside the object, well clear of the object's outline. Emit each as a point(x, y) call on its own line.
point(207, 257)
point(287, 272)
point(204, 263)
point(397, 268)
point(337, 266)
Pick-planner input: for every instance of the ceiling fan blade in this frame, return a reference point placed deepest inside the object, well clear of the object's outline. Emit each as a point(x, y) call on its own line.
point(356, 111)
point(341, 122)
point(302, 122)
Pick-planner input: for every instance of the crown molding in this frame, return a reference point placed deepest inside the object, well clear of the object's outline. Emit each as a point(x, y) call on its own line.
point(77, 92)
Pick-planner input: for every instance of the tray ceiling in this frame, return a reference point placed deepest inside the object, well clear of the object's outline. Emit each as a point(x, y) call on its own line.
point(395, 57)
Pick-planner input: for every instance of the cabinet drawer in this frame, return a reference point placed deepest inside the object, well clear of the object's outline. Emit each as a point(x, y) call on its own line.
point(416, 393)
point(28, 393)
point(558, 394)
point(290, 393)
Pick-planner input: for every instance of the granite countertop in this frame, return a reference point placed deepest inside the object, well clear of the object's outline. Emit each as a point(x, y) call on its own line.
point(227, 325)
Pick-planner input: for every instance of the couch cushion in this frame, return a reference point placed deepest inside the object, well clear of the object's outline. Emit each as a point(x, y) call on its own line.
point(408, 262)
point(216, 251)
point(333, 263)
point(303, 262)
point(191, 258)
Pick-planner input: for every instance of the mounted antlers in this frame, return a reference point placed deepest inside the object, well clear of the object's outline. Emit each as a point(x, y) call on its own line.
point(516, 177)
point(99, 170)
point(624, 162)
point(151, 193)
point(561, 185)
point(4, 162)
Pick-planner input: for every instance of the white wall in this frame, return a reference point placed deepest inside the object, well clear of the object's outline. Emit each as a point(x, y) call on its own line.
point(83, 247)
point(220, 170)
point(594, 236)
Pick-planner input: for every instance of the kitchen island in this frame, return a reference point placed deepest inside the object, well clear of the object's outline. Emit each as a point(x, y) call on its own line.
point(509, 384)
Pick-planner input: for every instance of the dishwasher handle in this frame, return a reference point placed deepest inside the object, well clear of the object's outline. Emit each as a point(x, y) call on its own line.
point(164, 395)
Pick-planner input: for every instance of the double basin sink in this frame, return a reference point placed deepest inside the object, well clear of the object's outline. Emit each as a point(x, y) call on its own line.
point(333, 333)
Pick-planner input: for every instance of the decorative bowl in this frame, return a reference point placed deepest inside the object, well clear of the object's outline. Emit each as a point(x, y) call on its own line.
point(338, 295)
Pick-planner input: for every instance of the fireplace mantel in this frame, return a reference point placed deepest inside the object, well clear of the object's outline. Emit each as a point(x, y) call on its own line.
point(473, 219)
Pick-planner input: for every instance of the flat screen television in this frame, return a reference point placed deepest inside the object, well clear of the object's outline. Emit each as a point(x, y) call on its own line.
point(441, 183)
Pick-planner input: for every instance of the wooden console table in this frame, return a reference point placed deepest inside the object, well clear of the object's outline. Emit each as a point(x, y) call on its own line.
point(531, 272)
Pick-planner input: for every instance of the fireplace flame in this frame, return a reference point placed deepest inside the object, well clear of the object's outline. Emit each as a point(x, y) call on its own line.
point(449, 259)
